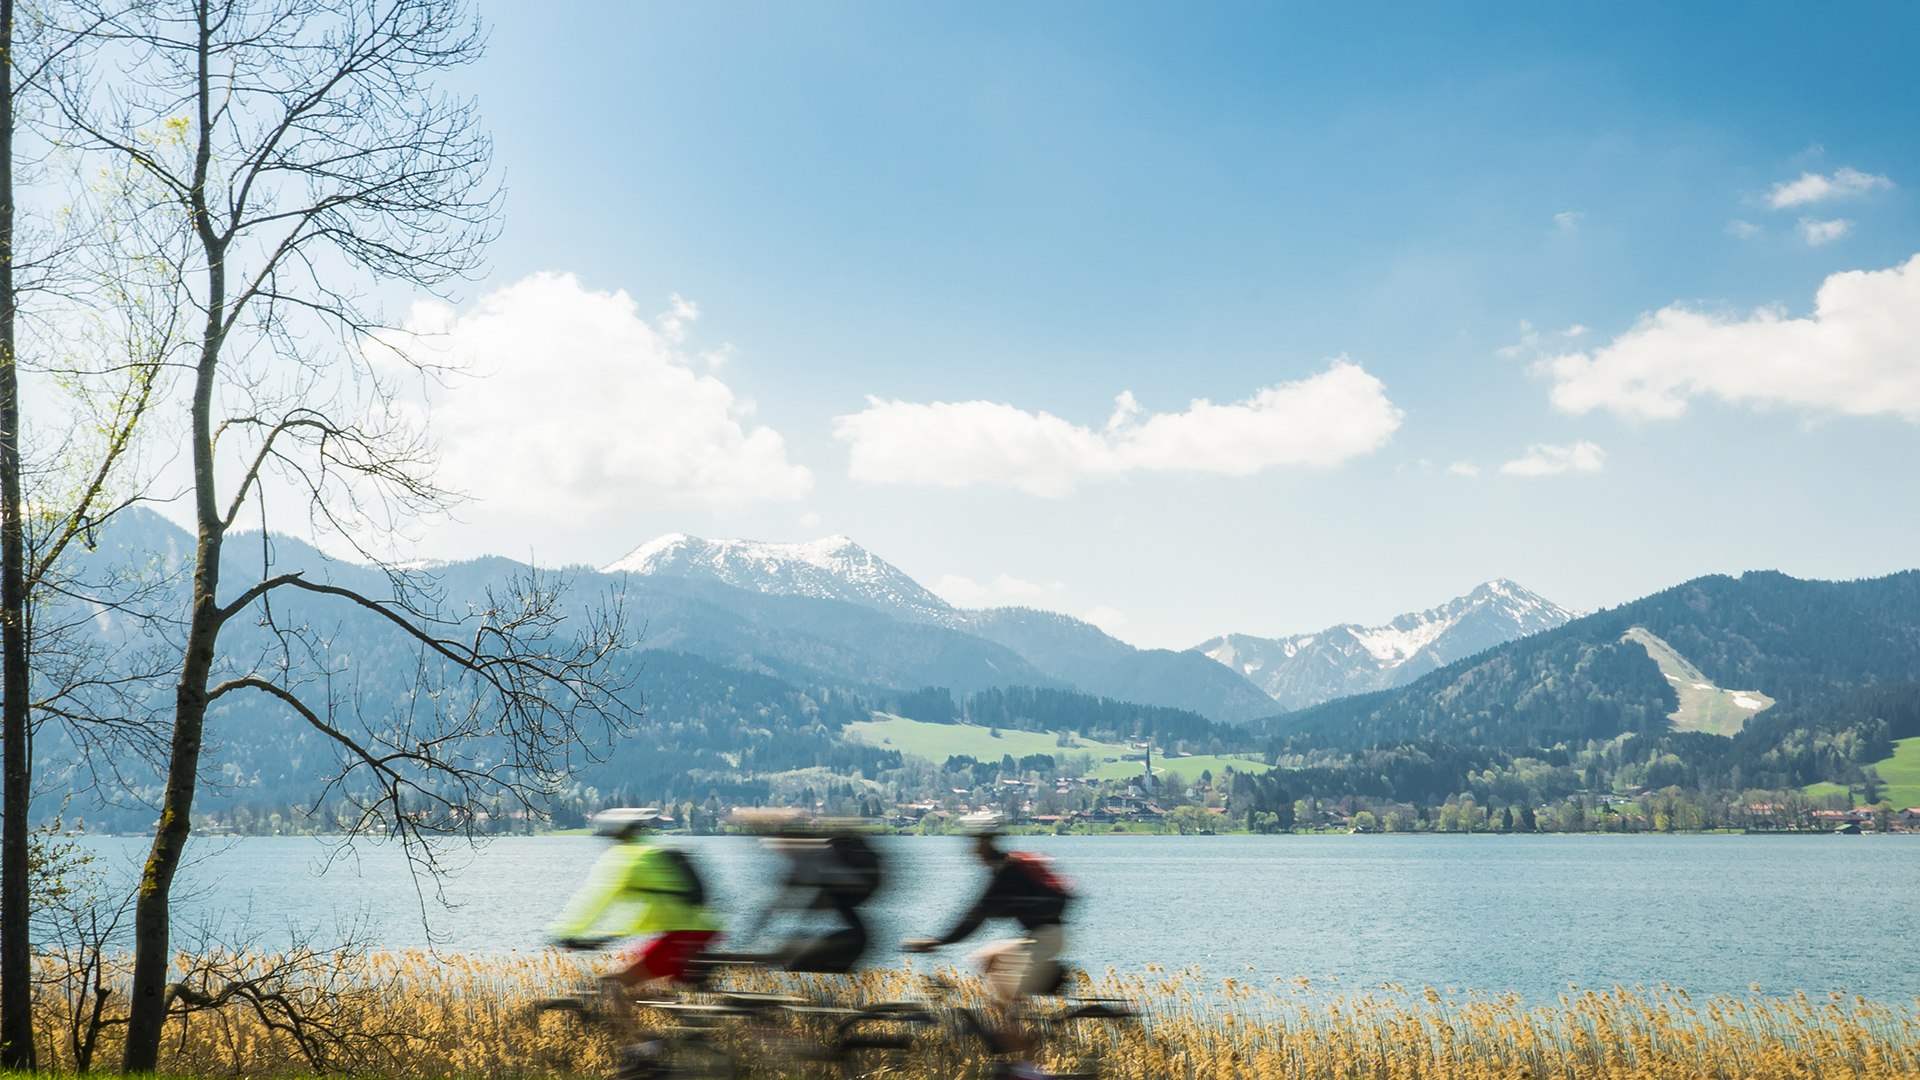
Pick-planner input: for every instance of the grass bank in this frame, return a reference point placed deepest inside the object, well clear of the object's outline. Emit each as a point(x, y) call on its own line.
point(412, 1015)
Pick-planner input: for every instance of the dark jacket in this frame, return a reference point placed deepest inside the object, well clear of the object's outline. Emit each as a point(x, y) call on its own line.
point(1014, 892)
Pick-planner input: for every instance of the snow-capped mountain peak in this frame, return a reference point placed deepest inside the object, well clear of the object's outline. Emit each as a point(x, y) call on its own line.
point(1306, 669)
point(833, 568)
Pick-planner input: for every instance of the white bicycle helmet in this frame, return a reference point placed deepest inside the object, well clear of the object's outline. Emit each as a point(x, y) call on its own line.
point(981, 823)
point(621, 820)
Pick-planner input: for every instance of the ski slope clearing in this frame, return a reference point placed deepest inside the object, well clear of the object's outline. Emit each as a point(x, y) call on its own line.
point(1703, 706)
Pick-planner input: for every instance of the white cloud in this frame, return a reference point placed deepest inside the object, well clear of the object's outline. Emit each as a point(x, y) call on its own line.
point(1542, 459)
point(1109, 619)
point(1463, 468)
point(680, 316)
point(1003, 591)
point(1568, 221)
point(810, 520)
point(582, 406)
point(1857, 354)
point(1531, 338)
point(1322, 420)
point(1813, 188)
point(1743, 230)
point(1824, 232)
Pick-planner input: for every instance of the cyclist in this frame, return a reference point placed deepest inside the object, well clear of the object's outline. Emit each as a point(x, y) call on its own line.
point(830, 868)
point(1021, 886)
point(637, 888)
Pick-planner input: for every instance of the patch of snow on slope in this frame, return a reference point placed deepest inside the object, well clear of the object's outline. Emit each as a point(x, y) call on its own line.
point(1306, 669)
point(834, 568)
point(640, 558)
point(1392, 645)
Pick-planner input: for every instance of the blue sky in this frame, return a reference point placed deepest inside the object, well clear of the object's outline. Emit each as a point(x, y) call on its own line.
point(781, 271)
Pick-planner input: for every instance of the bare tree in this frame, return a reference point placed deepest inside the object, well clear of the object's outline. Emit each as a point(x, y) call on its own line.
point(16, 993)
point(306, 161)
point(33, 545)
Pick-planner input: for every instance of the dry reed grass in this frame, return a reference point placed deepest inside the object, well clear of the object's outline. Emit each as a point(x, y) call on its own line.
point(467, 1016)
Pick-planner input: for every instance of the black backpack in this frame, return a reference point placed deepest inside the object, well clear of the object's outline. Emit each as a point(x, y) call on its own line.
point(862, 865)
point(692, 889)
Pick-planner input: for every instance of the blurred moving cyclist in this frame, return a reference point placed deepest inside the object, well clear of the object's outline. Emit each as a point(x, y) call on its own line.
point(830, 868)
point(639, 887)
point(1023, 886)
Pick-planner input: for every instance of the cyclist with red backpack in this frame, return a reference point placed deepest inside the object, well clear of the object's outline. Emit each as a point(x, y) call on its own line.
point(1022, 886)
point(641, 888)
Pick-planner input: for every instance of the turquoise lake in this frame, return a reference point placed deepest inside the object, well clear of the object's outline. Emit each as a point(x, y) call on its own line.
point(1532, 914)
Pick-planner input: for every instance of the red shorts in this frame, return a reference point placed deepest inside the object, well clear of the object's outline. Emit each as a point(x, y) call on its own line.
point(667, 956)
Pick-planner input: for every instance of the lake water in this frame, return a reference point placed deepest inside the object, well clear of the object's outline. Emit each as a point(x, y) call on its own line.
point(1531, 914)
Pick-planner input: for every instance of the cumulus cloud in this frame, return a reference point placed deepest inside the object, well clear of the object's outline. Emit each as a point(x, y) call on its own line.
point(1542, 459)
point(1004, 590)
point(1813, 188)
point(1323, 420)
point(1463, 468)
point(1856, 354)
point(1816, 233)
point(1743, 230)
point(1567, 221)
point(1109, 619)
point(573, 404)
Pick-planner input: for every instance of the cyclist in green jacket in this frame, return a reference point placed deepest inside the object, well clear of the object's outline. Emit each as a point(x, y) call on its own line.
point(639, 887)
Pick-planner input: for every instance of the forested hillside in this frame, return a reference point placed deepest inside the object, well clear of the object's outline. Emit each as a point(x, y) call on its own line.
point(1579, 710)
point(1080, 655)
point(1805, 643)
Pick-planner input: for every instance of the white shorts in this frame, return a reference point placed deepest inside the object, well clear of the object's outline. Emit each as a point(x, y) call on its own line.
point(1023, 966)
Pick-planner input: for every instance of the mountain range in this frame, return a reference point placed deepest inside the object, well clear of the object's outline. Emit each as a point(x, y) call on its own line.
point(1236, 678)
point(753, 658)
point(1307, 669)
point(1805, 648)
point(832, 569)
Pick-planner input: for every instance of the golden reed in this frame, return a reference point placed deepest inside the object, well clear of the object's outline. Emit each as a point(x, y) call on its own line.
point(414, 1014)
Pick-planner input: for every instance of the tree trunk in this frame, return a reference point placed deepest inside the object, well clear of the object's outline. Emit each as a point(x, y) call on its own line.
point(16, 957)
point(147, 1010)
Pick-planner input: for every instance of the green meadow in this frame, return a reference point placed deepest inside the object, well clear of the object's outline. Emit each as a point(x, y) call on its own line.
point(1899, 777)
point(1111, 761)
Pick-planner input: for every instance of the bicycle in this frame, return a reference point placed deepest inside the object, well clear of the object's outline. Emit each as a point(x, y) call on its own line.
point(704, 1033)
point(1050, 1028)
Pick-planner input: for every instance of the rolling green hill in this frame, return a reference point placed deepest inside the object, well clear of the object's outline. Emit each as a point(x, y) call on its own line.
point(1186, 768)
point(1901, 773)
point(1111, 761)
point(938, 742)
